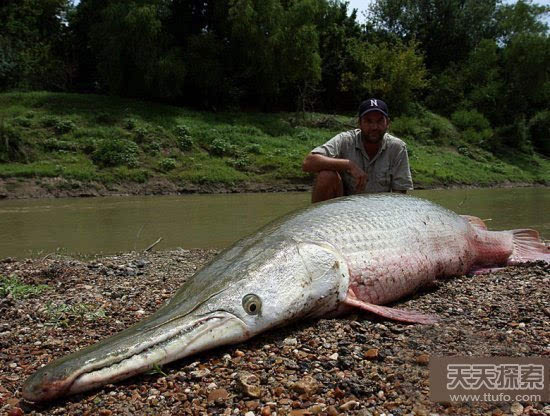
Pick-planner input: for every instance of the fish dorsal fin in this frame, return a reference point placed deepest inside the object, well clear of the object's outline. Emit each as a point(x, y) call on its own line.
point(475, 222)
point(528, 247)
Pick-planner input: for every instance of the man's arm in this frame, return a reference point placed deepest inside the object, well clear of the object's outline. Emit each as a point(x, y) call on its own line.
point(315, 162)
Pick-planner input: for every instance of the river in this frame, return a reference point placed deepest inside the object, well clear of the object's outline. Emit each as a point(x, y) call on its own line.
point(106, 225)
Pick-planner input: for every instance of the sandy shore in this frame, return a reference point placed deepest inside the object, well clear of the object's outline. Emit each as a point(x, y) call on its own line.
point(358, 365)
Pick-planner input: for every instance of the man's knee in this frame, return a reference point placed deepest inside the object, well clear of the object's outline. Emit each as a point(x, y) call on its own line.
point(328, 185)
point(329, 179)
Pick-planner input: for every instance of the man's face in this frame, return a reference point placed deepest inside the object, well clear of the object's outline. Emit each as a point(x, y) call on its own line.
point(373, 125)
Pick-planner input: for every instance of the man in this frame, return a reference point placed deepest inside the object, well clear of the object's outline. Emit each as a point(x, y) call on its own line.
point(366, 159)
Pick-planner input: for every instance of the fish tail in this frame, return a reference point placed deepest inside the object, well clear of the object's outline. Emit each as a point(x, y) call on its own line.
point(528, 247)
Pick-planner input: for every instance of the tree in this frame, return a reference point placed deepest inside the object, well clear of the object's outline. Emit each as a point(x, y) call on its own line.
point(134, 57)
point(391, 71)
point(447, 30)
point(34, 44)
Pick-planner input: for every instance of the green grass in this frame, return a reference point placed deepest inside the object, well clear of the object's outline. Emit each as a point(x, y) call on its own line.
point(13, 287)
point(85, 138)
point(62, 314)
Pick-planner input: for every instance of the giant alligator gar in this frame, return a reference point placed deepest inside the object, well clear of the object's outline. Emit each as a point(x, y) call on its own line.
point(362, 251)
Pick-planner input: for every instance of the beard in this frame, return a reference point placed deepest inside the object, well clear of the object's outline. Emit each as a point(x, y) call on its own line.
point(373, 136)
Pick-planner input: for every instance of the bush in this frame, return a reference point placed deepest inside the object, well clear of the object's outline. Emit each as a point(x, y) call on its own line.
point(516, 136)
point(539, 129)
point(475, 128)
point(141, 133)
point(12, 145)
point(116, 152)
point(52, 144)
point(470, 119)
point(60, 126)
point(182, 130)
point(167, 164)
point(253, 148)
point(220, 147)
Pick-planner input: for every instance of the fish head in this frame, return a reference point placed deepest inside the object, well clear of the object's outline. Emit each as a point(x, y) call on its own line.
point(235, 297)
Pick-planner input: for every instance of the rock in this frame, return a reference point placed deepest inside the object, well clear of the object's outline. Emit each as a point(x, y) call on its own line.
point(308, 385)
point(252, 404)
point(420, 410)
point(200, 374)
point(349, 405)
point(290, 341)
point(334, 356)
point(332, 411)
point(16, 411)
point(423, 359)
point(266, 411)
point(217, 395)
point(316, 409)
point(516, 409)
point(372, 354)
point(249, 414)
point(249, 384)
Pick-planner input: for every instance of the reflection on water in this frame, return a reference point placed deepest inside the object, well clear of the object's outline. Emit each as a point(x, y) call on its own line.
point(114, 224)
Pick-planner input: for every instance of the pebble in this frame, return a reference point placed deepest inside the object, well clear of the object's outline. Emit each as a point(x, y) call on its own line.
point(349, 405)
point(516, 409)
point(423, 359)
point(248, 384)
point(372, 353)
point(308, 385)
point(218, 395)
point(279, 362)
point(290, 341)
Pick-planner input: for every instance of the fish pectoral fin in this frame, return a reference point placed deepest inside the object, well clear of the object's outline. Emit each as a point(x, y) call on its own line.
point(402, 315)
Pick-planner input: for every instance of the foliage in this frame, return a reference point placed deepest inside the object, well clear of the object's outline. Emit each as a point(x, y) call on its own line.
point(167, 164)
point(393, 71)
point(13, 287)
point(539, 130)
point(116, 152)
point(255, 147)
point(62, 314)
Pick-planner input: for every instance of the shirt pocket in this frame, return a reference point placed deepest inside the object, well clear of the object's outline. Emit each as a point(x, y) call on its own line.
point(383, 175)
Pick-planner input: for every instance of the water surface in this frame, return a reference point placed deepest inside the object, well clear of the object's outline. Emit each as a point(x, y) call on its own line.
point(85, 226)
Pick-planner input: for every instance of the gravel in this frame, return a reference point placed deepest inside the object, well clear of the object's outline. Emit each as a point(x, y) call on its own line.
point(356, 365)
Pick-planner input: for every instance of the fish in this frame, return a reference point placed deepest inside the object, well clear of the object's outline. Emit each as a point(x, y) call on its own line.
point(356, 252)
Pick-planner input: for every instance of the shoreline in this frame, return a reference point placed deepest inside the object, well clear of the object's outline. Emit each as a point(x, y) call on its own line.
point(356, 365)
point(43, 188)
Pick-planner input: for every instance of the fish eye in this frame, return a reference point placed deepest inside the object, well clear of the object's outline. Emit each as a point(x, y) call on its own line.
point(252, 304)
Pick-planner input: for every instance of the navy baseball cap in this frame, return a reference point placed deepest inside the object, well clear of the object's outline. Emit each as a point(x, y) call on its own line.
point(373, 104)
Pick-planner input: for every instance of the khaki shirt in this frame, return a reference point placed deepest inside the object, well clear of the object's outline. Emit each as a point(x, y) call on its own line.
point(388, 170)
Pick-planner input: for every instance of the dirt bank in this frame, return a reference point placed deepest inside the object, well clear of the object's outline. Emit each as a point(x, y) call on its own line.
point(21, 188)
point(358, 365)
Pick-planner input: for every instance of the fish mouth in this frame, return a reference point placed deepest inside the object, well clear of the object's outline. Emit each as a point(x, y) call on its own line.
point(133, 351)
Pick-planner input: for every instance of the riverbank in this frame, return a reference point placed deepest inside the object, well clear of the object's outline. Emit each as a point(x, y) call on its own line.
point(54, 145)
point(62, 188)
point(356, 365)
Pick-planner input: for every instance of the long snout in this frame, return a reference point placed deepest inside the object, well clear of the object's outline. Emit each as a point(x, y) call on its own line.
point(151, 342)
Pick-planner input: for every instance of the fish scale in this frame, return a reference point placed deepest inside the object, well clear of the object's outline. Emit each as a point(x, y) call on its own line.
point(387, 254)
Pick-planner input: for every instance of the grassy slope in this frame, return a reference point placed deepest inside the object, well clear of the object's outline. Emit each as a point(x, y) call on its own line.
point(68, 135)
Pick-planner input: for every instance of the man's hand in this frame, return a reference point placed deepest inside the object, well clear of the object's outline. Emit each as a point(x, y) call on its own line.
point(359, 175)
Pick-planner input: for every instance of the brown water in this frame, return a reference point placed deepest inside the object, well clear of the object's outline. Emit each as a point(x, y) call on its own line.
point(75, 226)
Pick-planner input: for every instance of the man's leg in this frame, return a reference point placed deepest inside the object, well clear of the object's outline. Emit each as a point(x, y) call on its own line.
point(328, 185)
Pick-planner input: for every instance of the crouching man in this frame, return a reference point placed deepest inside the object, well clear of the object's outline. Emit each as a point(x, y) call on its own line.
point(367, 159)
